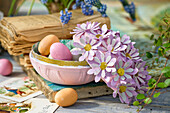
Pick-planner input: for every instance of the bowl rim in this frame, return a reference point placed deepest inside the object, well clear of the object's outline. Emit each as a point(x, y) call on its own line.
point(53, 61)
point(55, 65)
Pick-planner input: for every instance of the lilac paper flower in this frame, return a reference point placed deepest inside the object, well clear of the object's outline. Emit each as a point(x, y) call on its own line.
point(104, 33)
point(101, 66)
point(125, 39)
point(130, 53)
point(87, 27)
point(112, 46)
point(88, 47)
point(125, 91)
point(141, 78)
point(123, 70)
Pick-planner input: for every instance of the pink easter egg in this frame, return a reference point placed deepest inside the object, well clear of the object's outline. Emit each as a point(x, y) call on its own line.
point(59, 51)
point(5, 67)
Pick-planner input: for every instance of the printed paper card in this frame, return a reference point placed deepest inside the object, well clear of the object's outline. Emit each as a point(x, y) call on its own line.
point(18, 89)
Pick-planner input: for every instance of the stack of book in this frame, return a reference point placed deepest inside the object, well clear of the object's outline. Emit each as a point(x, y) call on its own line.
point(18, 34)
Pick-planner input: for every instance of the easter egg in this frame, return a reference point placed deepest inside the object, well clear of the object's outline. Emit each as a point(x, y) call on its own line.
point(66, 97)
point(59, 51)
point(75, 57)
point(5, 67)
point(45, 43)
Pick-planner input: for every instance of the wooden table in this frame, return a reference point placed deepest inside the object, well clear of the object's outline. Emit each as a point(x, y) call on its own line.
point(103, 104)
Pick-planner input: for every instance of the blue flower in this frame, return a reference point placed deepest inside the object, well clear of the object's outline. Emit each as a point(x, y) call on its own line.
point(102, 10)
point(44, 1)
point(65, 17)
point(77, 4)
point(86, 9)
point(100, 7)
point(131, 10)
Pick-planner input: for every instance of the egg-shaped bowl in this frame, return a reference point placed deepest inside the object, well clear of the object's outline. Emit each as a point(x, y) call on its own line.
point(60, 71)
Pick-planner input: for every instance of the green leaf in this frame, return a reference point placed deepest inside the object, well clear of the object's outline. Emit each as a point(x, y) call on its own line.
point(166, 69)
point(160, 28)
point(157, 60)
point(140, 96)
point(161, 51)
point(151, 83)
point(159, 42)
point(136, 103)
point(149, 55)
point(151, 37)
point(156, 95)
point(166, 45)
point(167, 74)
point(161, 85)
point(148, 100)
point(167, 82)
point(165, 20)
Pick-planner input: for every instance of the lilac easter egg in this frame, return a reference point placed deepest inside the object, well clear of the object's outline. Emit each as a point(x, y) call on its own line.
point(59, 51)
point(5, 67)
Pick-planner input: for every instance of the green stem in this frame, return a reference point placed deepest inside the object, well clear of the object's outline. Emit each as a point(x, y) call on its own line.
point(11, 7)
point(16, 12)
point(68, 6)
point(31, 7)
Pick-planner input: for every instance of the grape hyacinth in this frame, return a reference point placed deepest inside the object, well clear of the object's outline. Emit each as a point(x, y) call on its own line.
point(112, 58)
point(100, 7)
point(87, 9)
point(44, 1)
point(77, 4)
point(129, 8)
point(65, 17)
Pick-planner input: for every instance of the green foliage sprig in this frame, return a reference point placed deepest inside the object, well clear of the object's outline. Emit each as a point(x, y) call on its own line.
point(162, 45)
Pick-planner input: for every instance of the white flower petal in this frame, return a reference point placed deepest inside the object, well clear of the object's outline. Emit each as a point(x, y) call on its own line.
point(102, 57)
point(116, 78)
point(112, 62)
point(117, 45)
point(108, 69)
point(97, 60)
point(108, 59)
point(123, 96)
point(122, 77)
point(113, 42)
point(141, 80)
point(120, 63)
point(129, 93)
point(127, 76)
point(129, 70)
point(78, 45)
point(82, 41)
point(90, 71)
point(104, 29)
point(103, 73)
point(92, 42)
point(131, 88)
point(108, 41)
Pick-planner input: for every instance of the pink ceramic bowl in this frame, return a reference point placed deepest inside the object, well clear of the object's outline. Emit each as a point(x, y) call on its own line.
point(65, 75)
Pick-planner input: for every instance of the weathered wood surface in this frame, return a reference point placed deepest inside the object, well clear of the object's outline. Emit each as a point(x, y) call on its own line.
point(103, 104)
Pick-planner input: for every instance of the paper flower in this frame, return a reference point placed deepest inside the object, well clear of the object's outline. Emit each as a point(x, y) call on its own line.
point(130, 53)
point(65, 17)
point(112, 46)
point(82, 29)
point(125, 91)
point(141, 78)
point(101, 65)
point(112, 58)
point(123, 70)
point(88, 47)
point(102, 34)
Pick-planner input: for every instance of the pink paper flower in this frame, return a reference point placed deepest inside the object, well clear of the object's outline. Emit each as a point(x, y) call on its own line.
point(130, 53)
point(125, 91)
point(101, 66)
point(88, 48)
point(82, 29)
point(141, 77)
point(112, 46)
point(123, 70)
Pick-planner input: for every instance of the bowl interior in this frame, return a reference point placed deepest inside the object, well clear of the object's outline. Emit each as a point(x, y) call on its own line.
point(35, 53)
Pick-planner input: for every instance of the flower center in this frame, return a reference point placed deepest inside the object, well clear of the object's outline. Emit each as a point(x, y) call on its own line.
point(112, 49)
point(122, 89)
point(121, 71)
point(103, 65)
point(127, 55)
point(87, 47)
point(98, 35)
